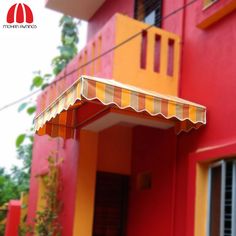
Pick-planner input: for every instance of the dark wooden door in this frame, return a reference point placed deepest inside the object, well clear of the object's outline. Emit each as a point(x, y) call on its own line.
point(110, 204)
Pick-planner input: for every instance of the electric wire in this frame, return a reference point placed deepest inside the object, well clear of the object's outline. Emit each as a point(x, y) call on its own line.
point(99, 56)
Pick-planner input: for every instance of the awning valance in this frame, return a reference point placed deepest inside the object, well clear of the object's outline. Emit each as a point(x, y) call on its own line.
point(109, 92)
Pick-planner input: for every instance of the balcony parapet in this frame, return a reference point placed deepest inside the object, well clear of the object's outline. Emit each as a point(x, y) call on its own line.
point(149, 60)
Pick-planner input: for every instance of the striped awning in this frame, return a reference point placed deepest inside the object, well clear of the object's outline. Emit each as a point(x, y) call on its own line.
point(187, 115)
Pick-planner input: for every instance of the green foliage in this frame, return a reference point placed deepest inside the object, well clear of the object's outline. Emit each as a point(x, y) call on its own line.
point(8, 191)
point(13, 184)
point(47, 219)
point(38, 81)
point(22, 106)
point(69, 40)
point(8, 188)
point(21, 175)
point(17, 181)
point(2, 229)
point(31, 110)
point(20, 139)
point(46, 222)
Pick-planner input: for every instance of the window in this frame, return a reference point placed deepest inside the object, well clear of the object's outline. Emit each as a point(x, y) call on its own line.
point(207, 3)
point(208, 12)
point(222, 199)
point(149, 11)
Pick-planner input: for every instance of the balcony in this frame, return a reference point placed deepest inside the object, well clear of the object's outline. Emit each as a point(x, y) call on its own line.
point(149, 61)
point(85, 10)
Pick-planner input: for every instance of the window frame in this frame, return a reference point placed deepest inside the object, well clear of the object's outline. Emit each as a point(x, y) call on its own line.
point(222, 163)
point(234, 199)
point(222, 197)
point(137, 16)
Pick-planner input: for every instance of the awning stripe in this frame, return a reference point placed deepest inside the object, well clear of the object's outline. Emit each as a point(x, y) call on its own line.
point(164, 108)
point(190, 115)
point(125, 98)
point(109, 94)
point(134, 100)
point(117, 96)
point(179, 110)
point(157, 106)
point(141, 101)
point(149, 103)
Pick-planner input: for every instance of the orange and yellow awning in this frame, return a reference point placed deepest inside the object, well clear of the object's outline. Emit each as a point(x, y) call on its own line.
point(187, 115)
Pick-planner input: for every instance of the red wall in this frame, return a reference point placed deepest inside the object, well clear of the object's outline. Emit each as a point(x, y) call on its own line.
point(13, 218)
point(209, 74)
point(207, 77)
point(106, 11)
point(150, 210)
point(68, 150)
point(173, 23)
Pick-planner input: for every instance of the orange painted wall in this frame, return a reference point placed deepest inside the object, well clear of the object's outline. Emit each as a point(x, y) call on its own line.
point(114, 151)
point(85, 186)
point(126, 65)
point(109, 151)
point(106, 11)
point(41, 191)
point(201, 200)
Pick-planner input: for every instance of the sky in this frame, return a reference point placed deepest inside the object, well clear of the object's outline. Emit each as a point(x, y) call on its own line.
point(23, 51)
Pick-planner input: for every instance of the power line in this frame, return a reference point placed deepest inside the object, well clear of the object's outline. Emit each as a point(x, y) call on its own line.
point(101, 55)
point(19, 100)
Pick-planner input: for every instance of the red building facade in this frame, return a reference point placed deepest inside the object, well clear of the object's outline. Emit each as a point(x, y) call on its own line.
point(129, 173)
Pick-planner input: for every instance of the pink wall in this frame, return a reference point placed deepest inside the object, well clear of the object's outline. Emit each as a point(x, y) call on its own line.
point(150, 210)
point(106, 11)
point(68, 150)
point(103, 67)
